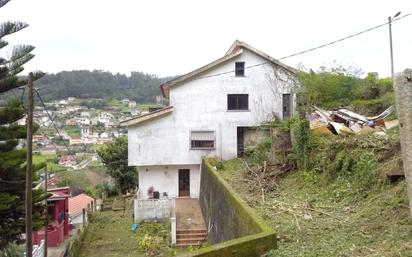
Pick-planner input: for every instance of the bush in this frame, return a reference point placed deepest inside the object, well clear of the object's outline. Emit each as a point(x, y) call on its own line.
point(147, 243)
point(259, 153)
point(300, 134)
point(365, 170)
point(151, 238)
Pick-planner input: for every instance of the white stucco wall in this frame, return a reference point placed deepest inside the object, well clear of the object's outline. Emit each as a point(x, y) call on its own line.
point(165, 178)
point(202, 105)
point(76, 220)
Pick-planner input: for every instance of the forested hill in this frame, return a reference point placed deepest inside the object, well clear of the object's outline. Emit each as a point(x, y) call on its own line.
point(100, 84)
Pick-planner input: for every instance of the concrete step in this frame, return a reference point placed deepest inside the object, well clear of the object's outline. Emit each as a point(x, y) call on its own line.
point(191, 231)
point(185, 245)
point(194, 240)
point(194, 235)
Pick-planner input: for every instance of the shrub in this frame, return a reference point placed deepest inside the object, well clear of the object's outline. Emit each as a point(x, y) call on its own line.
point(151, 238)
point(148, 243)
point(300, 134)
point(259, 153)
point(365, 170)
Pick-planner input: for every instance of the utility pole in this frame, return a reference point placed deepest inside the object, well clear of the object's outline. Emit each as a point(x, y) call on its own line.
point(403, 94)
point(390, 19)
point(29, 167)
point(47, 212)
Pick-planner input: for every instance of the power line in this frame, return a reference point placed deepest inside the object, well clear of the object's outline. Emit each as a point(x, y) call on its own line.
point(51, 119)
point(313, 48)
point(344, 38)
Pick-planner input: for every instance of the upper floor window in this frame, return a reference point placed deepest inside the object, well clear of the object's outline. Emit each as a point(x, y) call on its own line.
point(240, 69)
point(202, 139)
point(238, 102)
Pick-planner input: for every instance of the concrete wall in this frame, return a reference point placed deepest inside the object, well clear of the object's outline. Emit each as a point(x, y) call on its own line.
point(221, 211)
point(78, 219)
point(253, 136)
point(235, 229)
point(165, 178)
point(201, 104)
point(153, 209)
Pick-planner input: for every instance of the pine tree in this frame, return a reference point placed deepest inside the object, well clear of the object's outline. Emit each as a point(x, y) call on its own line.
point(13, 158)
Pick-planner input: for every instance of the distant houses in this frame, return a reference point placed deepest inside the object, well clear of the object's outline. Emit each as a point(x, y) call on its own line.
point(132, 104)
point(67, 161)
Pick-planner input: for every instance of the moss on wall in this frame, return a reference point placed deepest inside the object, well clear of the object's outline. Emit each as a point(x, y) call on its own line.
point(235, 229)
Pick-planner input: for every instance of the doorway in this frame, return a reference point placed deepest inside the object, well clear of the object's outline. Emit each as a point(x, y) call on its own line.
point(240, 141)
point(184, 182)
point(286, 103)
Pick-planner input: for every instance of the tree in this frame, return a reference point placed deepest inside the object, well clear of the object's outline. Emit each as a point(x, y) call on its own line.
point(329, 87)
point(13, 160)
point(114, 156)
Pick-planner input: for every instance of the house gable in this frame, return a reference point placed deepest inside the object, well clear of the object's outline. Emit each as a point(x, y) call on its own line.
point(235, 50)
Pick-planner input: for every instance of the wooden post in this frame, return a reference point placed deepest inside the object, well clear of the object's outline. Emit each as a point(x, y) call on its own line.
point(403, 93)
point(84, 216)
point(47, 213)
point(29, 166)
point(95, 205)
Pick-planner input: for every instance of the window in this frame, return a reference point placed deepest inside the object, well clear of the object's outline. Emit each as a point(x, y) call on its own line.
point(238, 102)
point(202, 139)
point(240, 69)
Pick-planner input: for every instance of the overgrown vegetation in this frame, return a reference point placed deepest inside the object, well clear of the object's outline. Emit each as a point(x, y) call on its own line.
point(91, 180)
point(153, 239)
point(114, 156)
point(338, 86)
point(341, 204)
point(109, 234)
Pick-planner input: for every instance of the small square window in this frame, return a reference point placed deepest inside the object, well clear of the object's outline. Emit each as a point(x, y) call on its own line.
point(238, 102)
point(240, 69)
point(202, 140)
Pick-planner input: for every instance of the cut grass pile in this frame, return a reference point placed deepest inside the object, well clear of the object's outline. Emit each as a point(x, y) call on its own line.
point(315, 218)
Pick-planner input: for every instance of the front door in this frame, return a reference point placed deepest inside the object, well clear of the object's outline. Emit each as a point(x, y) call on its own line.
point(184, 182)
point(286, 106)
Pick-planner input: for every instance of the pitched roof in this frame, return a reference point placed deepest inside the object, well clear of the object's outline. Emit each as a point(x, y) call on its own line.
point(148, 116)
point(58, 193)
point(235, 50)
point(78, 203)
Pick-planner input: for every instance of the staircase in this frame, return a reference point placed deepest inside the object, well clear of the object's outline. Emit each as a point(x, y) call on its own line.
point(190, 226)
point(190, 237)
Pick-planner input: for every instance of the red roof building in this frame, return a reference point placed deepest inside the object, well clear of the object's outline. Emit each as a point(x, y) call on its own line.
point(76, 206)
point(58, 209)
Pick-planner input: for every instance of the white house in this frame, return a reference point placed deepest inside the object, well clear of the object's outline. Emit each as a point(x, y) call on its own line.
point(211, 112)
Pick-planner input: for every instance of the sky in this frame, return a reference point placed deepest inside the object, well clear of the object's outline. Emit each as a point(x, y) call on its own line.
point(169, 38)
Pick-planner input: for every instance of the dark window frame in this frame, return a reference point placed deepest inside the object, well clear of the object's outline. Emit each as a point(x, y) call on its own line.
point(240, 69)
point(236, 103)
point(195, 144)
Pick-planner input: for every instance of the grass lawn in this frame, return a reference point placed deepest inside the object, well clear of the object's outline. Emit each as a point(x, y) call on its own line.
point(315, 220)
point(52, 166)
point(72, 131)
point(85, 179)
point(109, 234)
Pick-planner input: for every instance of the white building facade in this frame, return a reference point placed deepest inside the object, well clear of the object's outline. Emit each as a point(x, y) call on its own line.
point(209, 111)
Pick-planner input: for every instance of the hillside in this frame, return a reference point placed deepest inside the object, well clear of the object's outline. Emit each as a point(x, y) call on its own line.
point(343, 205)
point(138, 86)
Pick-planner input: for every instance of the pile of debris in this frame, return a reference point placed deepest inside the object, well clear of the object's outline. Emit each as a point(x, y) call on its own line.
point(344, 121)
